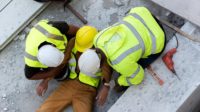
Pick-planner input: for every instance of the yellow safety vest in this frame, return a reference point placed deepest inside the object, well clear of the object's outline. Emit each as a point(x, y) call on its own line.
point(42, 32)
point(90, 79)
point(137, 36)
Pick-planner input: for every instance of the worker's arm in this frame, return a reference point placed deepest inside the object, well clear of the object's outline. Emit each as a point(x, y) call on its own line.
point(106, 73)
point(72, 30)
point(68, 50)
point(51, 72)
point(133, 76)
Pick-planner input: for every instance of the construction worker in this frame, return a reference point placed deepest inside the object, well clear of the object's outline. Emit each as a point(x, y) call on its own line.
point(47, 52)
point(131, 45)
point(80, 89)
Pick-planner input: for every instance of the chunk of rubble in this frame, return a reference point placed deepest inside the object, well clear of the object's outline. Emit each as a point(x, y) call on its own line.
point(4, 96)
point(5, 109)
point(22, 37)
point(121, 2)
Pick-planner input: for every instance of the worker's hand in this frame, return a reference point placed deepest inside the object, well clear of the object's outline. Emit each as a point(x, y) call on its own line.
point(42, 87)
point(102, 95)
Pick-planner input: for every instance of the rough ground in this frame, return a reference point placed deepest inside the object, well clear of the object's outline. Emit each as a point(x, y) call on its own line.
point(17, 94)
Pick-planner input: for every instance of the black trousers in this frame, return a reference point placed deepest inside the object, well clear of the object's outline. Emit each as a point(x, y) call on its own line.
point(145, 62)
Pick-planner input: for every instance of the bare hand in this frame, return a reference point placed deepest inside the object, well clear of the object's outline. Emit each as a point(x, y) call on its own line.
point(102, 95)
point(42, 87)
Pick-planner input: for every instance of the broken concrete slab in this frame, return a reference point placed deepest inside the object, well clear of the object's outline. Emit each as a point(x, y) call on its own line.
point(175, 95)
point(188, 9)
point(14, 16)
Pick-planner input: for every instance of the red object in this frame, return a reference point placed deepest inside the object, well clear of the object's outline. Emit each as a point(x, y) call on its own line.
point(167, 59)
point(155, 76)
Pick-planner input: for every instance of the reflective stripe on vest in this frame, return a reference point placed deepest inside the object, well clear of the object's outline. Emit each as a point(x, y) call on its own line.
point(153, 38)
point(47, 34)
point(93, 75)
point(29, 56)
point(133, 75)
point(72, 63)
point(133, 49)
point(105, 31)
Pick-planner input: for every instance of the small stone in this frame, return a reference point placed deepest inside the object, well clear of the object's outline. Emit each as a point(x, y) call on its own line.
point(51, 17)
point(85, 7)
point(22, 37)
point(26, 30)
point(4, 96)
point(33, 23)
point(118, 3)
point(5, 109)
point(18, 91)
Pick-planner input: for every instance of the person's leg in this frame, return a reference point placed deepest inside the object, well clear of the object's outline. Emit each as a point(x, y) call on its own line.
point(58, 100)
point(145, 62)
point(84, 99)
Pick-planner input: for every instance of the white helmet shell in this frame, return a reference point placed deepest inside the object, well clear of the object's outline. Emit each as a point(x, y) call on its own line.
point(89, 62)
point(50, 56)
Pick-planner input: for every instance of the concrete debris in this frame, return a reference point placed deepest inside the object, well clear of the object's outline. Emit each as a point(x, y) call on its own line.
point(22, 37)
point(4, 96)
point(118, 2)
point(27, 29)
point(33, 23)
point(5, 109)
point(85, 7)
point(121, 2)
point(18, 92)
point(51, 17)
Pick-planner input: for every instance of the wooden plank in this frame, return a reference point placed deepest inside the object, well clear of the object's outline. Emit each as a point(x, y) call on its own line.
point(188, 9)
point(14, 16)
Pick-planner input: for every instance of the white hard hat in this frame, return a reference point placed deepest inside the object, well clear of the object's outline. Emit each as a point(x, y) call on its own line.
point(50, 56)
point(89, 62)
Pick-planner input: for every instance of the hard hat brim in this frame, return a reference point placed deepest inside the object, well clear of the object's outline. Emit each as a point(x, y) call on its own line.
point(83, 48)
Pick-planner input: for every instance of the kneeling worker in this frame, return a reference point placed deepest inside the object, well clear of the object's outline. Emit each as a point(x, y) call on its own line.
point(46, 52)
point(131, 45)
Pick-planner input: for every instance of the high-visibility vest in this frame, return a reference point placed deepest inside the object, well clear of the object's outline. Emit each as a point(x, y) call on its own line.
point(42, 32)
point(90, 79)
point(137, 36)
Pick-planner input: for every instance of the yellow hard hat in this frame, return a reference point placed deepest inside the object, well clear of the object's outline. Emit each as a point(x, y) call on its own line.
point(84, 38)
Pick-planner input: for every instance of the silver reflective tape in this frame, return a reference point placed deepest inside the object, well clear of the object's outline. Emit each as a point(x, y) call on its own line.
point(128, 81)
point(29, 56)
point(72, 68)
point(153, 39)
point(137, 35)
point(136, 72)
point(72, 60)
point(100, 35)
point(91, 75)
point(49, 35)
point(132, 76)
point(105, 31)
point(125, 54)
